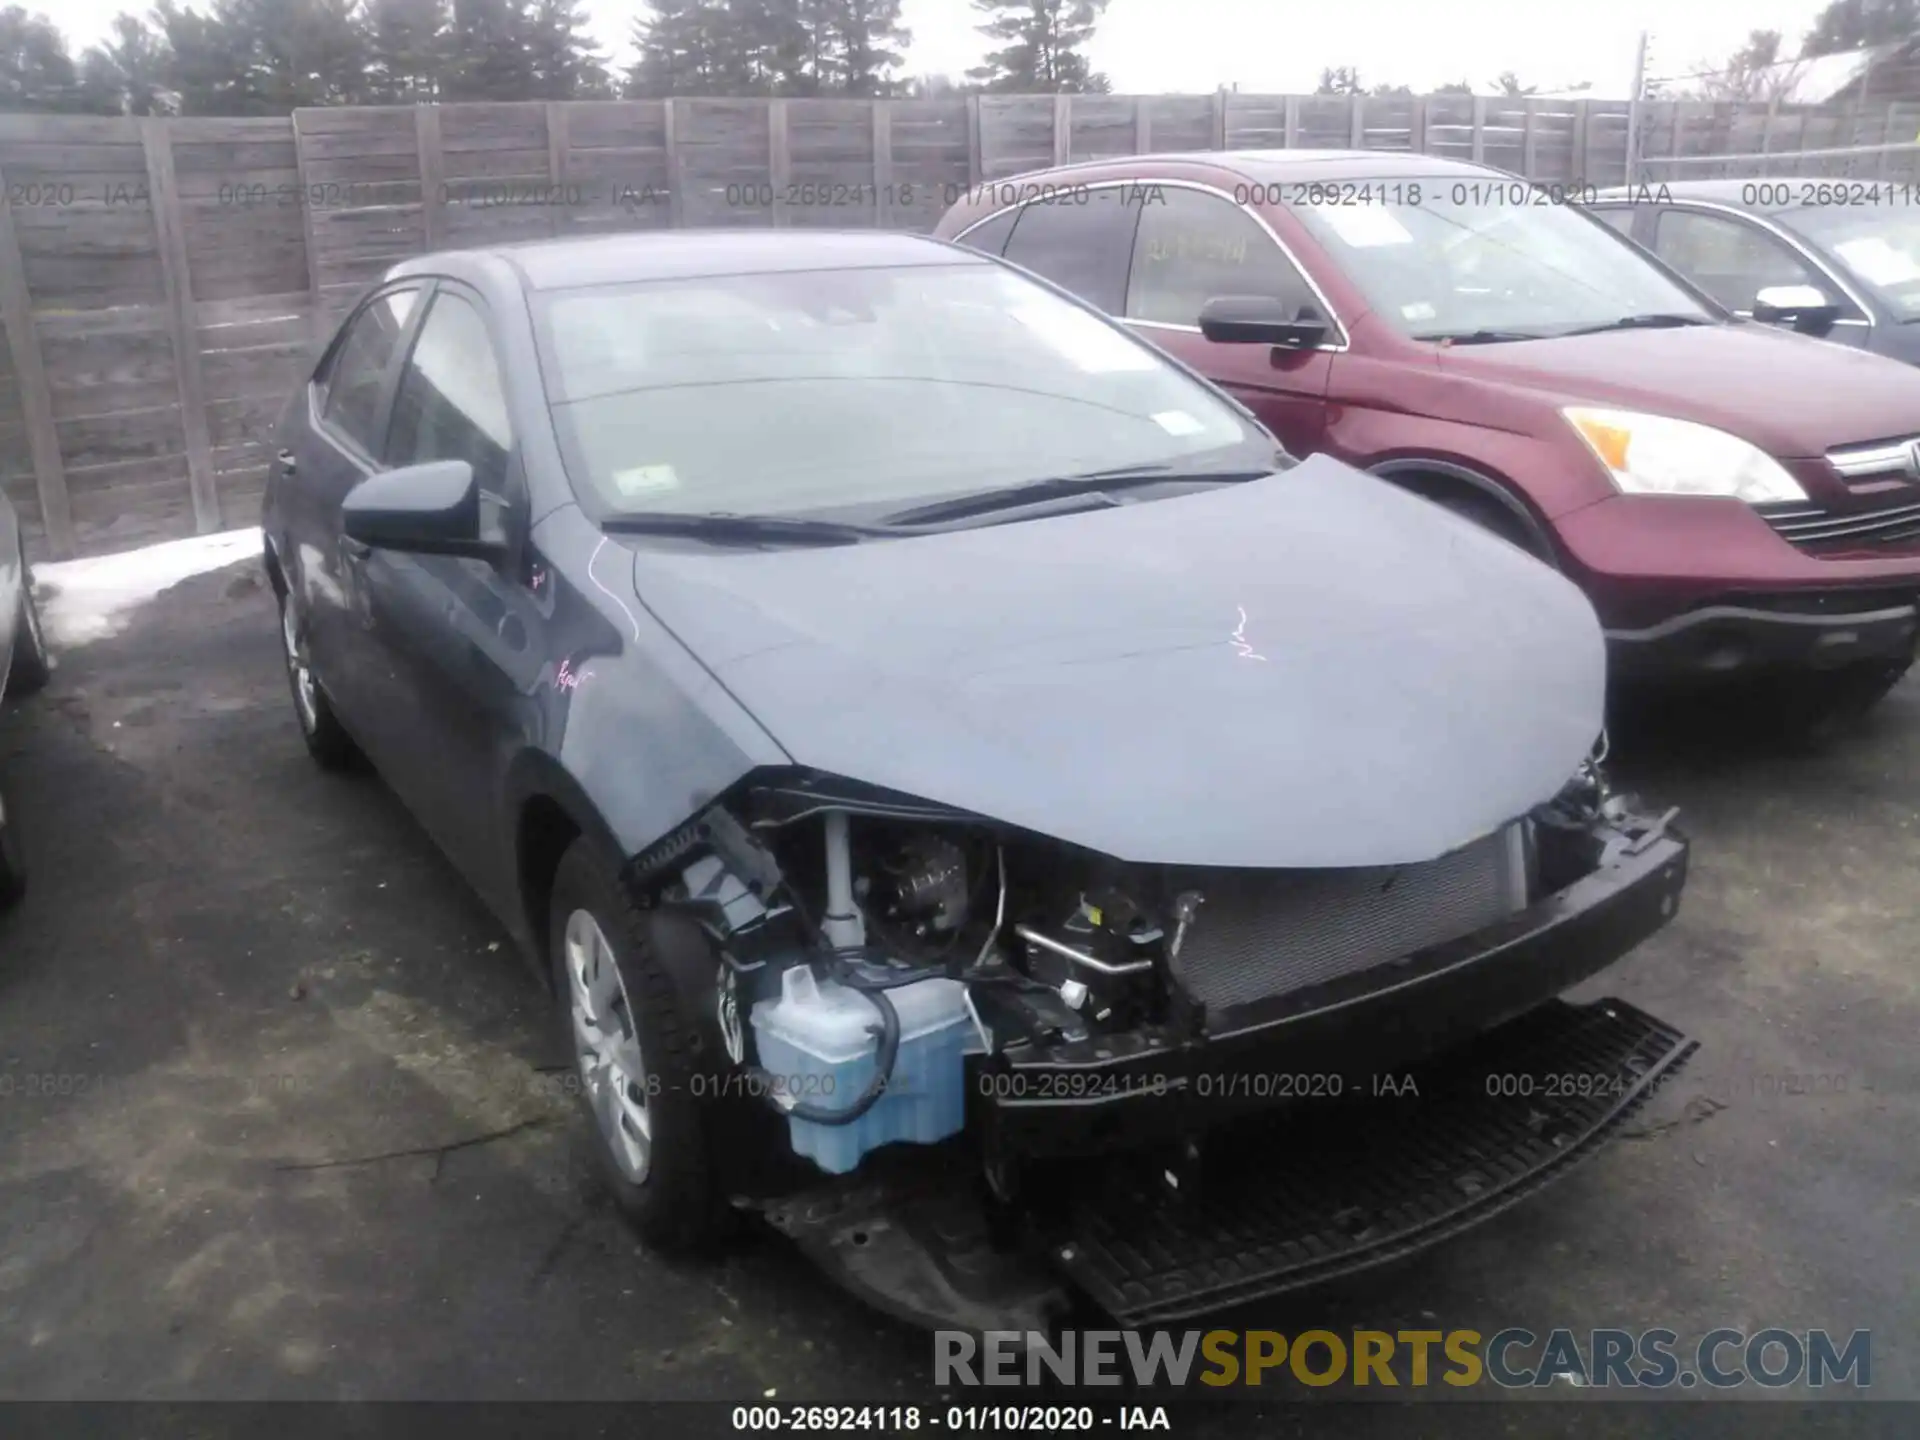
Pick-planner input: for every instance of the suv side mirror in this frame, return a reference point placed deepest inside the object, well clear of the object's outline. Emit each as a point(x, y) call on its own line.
point(427, 509)
point(1260, 320)
point(1807, 308)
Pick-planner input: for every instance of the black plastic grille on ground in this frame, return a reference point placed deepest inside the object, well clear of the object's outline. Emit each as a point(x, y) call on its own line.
point(1340, 1186)
point(1263, 933)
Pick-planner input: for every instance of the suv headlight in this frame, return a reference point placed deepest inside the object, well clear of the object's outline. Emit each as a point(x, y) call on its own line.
point(1658, 455)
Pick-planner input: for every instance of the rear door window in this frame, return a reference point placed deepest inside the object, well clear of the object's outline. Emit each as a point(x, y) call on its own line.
point(356, 378)
point(1191, 247)
point(1081, 239)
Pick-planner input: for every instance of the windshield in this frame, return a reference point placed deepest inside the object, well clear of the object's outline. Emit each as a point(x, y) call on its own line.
point(1879, 248)
point(780, 393)
point(1476, 256)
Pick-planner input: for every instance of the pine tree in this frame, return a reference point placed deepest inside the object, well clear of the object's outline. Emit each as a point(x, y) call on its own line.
point(128, 73)
point(1042, 39)
point(490, 59)
point(36, 70)
point(408, 49)
point(199, 69)
point(688, 47)
point(1854, 24)
point(563, 61)
point(870, 41)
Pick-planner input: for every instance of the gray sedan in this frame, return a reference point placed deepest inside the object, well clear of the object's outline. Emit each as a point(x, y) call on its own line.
point(1834, 258)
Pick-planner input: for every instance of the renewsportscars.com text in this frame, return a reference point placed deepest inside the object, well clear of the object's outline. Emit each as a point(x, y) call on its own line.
point(1511, 1358)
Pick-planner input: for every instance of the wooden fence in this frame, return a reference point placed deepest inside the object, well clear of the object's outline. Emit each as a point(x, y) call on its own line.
point(162, 282)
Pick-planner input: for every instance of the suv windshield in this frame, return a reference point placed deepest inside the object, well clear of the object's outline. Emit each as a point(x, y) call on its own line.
point(861, 390)
point(1493, 260)
point(1879, 247)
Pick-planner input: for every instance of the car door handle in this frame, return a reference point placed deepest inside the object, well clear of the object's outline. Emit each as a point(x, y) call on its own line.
point(354, 549)
point(286, 462)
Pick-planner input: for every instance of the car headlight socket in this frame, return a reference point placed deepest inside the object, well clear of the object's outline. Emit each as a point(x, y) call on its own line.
point(1660, 455)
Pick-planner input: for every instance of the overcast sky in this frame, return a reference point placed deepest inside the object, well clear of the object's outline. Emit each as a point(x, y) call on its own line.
point(1278, 46)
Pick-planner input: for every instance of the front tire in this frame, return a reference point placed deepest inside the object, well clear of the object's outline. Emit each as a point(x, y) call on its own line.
point(326, 739)
point(636, 1056)
point(32, 660)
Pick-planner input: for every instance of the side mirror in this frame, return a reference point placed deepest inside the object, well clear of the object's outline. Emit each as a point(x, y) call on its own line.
point(428, 509)
point(1806, 308)
point(1260, 320)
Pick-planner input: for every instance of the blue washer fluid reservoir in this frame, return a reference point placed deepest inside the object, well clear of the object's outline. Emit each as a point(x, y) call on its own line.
point(819, 1040)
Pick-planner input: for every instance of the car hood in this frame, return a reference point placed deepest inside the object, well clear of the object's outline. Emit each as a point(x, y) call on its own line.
point(1315, 669)
point(1791, 395)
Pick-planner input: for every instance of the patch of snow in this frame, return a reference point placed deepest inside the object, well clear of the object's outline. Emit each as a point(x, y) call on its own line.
point(90, 599)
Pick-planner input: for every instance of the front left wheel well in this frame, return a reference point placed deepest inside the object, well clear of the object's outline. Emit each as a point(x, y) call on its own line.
point(542, 837)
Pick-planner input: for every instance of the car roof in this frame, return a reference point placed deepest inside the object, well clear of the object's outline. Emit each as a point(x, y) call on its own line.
point(689, 254)
point(1306, 165)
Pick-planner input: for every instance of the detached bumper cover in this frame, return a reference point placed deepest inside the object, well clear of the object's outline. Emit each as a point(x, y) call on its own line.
point(1345, 1187)
point(1295, 1198)
point(1107, 1093)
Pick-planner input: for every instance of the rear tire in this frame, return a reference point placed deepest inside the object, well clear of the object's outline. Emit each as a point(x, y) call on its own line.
point(13, 866)
point(326, 739)
point(32, 661)
point(636, 1056)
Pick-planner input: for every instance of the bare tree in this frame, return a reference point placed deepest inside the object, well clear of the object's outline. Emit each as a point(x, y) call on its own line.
point(1754, 72)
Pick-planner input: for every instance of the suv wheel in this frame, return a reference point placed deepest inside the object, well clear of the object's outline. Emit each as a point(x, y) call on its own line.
point(635, 1055)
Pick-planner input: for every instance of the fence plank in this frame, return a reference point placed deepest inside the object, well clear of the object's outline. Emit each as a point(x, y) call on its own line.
point(158, 142)
point(974, 175)
point(316, 320)
point(433, 187)
point(1479, 129)
point(779, 159)
point(882, 163)
point(676, 181)
point(560, 211)
point(36, 402)
point(1062, 129)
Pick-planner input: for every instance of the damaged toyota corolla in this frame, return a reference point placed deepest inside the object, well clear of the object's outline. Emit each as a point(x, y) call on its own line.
point(979, 805)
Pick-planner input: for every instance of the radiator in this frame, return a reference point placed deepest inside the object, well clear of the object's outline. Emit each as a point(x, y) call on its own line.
point(1261, 933)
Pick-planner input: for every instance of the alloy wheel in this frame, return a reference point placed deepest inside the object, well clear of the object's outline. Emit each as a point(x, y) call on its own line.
point(607, 1047)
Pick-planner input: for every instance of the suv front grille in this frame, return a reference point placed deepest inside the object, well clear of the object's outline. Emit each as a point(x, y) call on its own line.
point(1878, 462)
point(1816, 528)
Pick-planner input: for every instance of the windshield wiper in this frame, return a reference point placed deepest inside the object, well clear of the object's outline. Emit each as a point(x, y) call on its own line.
point(730, 529)
point(1480, 337)
point(1057, 487)
point(1658, 321)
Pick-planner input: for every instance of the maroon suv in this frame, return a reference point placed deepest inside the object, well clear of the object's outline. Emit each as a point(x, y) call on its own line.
point(1738, 501)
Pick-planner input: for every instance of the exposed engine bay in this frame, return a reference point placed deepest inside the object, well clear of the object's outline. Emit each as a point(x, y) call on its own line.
point(884, 963)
